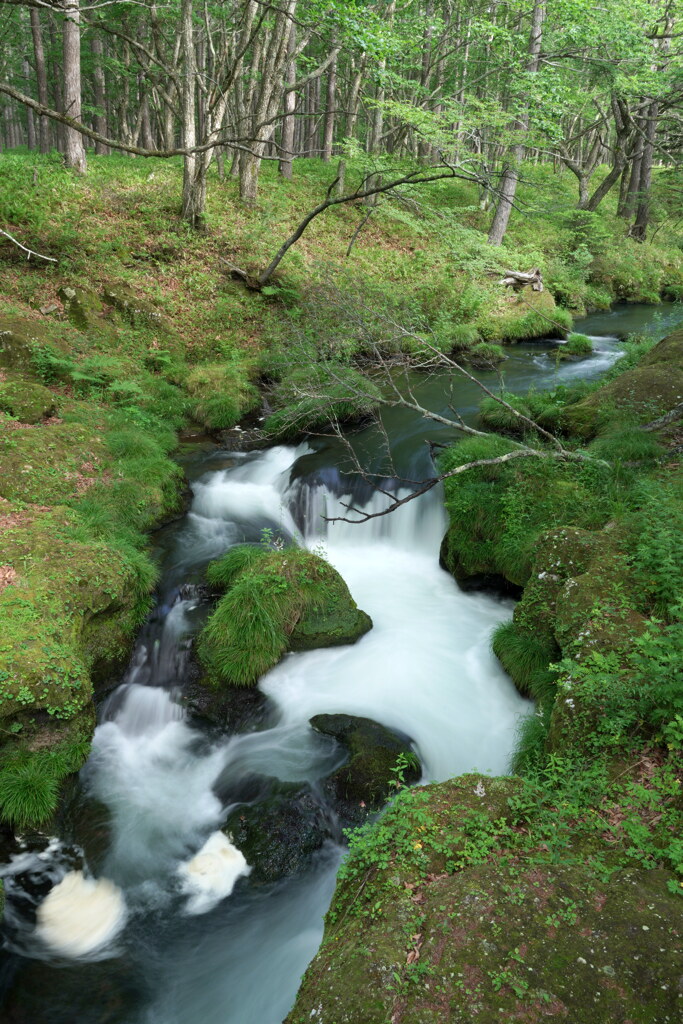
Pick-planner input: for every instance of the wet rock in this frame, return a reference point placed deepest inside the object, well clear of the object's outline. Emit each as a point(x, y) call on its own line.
point(364, 784)
point(232, 708)
point(279, 836)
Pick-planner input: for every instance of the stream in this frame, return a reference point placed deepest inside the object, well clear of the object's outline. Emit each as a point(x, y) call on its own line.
point(185, 934)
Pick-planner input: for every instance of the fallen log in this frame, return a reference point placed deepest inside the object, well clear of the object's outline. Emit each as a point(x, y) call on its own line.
point(518, 279)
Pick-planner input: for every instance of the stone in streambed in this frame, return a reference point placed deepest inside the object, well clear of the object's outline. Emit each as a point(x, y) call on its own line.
point(364, 784)
point(280, 835)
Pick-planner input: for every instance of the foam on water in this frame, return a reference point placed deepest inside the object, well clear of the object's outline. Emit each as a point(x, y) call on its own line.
point(81, 915)
point(211, 874)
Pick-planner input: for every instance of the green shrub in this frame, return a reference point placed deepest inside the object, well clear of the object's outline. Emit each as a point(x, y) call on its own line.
point(222, 393)
point(311, 397)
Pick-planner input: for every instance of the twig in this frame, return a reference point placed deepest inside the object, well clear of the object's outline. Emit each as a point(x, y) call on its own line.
point(30, 252)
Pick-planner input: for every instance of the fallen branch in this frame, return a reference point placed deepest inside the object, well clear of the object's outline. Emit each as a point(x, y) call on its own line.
point(29, 252)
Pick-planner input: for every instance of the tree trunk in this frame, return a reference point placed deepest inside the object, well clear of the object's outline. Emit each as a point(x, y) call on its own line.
point(289, 121)
point(74, 153)
point(508, 184)
point(639, 229)
point(41, 76)
point(101, 126)
point(30, 120)
point(194, 191)
point(330, 103)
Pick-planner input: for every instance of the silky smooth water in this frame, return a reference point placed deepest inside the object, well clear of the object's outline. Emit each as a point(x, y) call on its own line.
point(184, 935)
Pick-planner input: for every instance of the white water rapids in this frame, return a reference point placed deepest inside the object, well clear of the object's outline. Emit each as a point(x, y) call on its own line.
point(425, 668)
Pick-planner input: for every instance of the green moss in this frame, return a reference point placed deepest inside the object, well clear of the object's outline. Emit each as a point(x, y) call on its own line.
point(222, 393)
point(278, 600)
point(578, 346)
point(27, 402)
point(484, 356)
point(520, 317)
point(310, 398)
point(641, 393)
point(49, 464)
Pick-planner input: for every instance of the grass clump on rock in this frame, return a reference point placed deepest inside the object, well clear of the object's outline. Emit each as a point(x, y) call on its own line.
point(577, 346)
point(277, 600)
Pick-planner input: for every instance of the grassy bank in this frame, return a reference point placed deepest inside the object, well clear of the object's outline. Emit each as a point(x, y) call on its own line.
point(139, 329)
point(542, 894)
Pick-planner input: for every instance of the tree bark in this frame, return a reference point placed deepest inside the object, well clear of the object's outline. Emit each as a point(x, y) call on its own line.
point(194, 196)
point(330, 104)
point(41, 77)
point(289, 121)
point(74, 152)
point(508, 184)
point(639, 229)
point(101, 126)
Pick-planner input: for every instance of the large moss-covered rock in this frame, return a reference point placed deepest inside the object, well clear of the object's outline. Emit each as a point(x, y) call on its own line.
point(84, 308)
point(49, 464)
point(645, 392)
point(418, 937)
point(26, 401)
point(18, 338)
point(277, 600)
point(519, 316)
point(364, 784)
point(137, 311)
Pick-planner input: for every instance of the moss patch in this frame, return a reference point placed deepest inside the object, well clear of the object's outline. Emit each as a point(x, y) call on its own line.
point(26, 401)
point(278, 600)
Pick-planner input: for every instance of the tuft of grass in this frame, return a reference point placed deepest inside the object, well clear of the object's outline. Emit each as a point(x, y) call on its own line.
point(223, 573)
point(526, 659)
point(578, 346)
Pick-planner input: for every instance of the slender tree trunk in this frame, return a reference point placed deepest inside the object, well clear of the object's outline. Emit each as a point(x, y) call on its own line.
point(193, 196)
point(101, 126)
point(74, 154)
point(41, 77)
point(56, 76)
point(30, 120)
point(508, 184)
point(330, 104)
point(289, 121)
point(639, 229)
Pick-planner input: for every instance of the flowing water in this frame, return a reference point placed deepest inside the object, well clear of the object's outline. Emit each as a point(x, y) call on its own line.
point(147, 914)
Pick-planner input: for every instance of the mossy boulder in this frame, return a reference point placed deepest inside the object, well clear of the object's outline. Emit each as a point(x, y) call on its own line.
point(18, 338)
point(27, 402)
point(364, 783)
point(523, 315)
point(222, 393)
point(50, 464)
point(137, 311)
point(422, 938)
point(643, 393)
point(280, 835)
point(276, 600)
point(84, 308)
point(311, 397)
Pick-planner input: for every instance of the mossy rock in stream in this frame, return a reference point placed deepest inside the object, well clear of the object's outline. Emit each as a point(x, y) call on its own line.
point(311, 397)
point(26, 401)
point(367, 780)
point(280, 835)
point(643, 393)
point(277, 600)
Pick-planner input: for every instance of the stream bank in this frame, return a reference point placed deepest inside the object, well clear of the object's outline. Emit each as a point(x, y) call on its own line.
point(231, 505)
